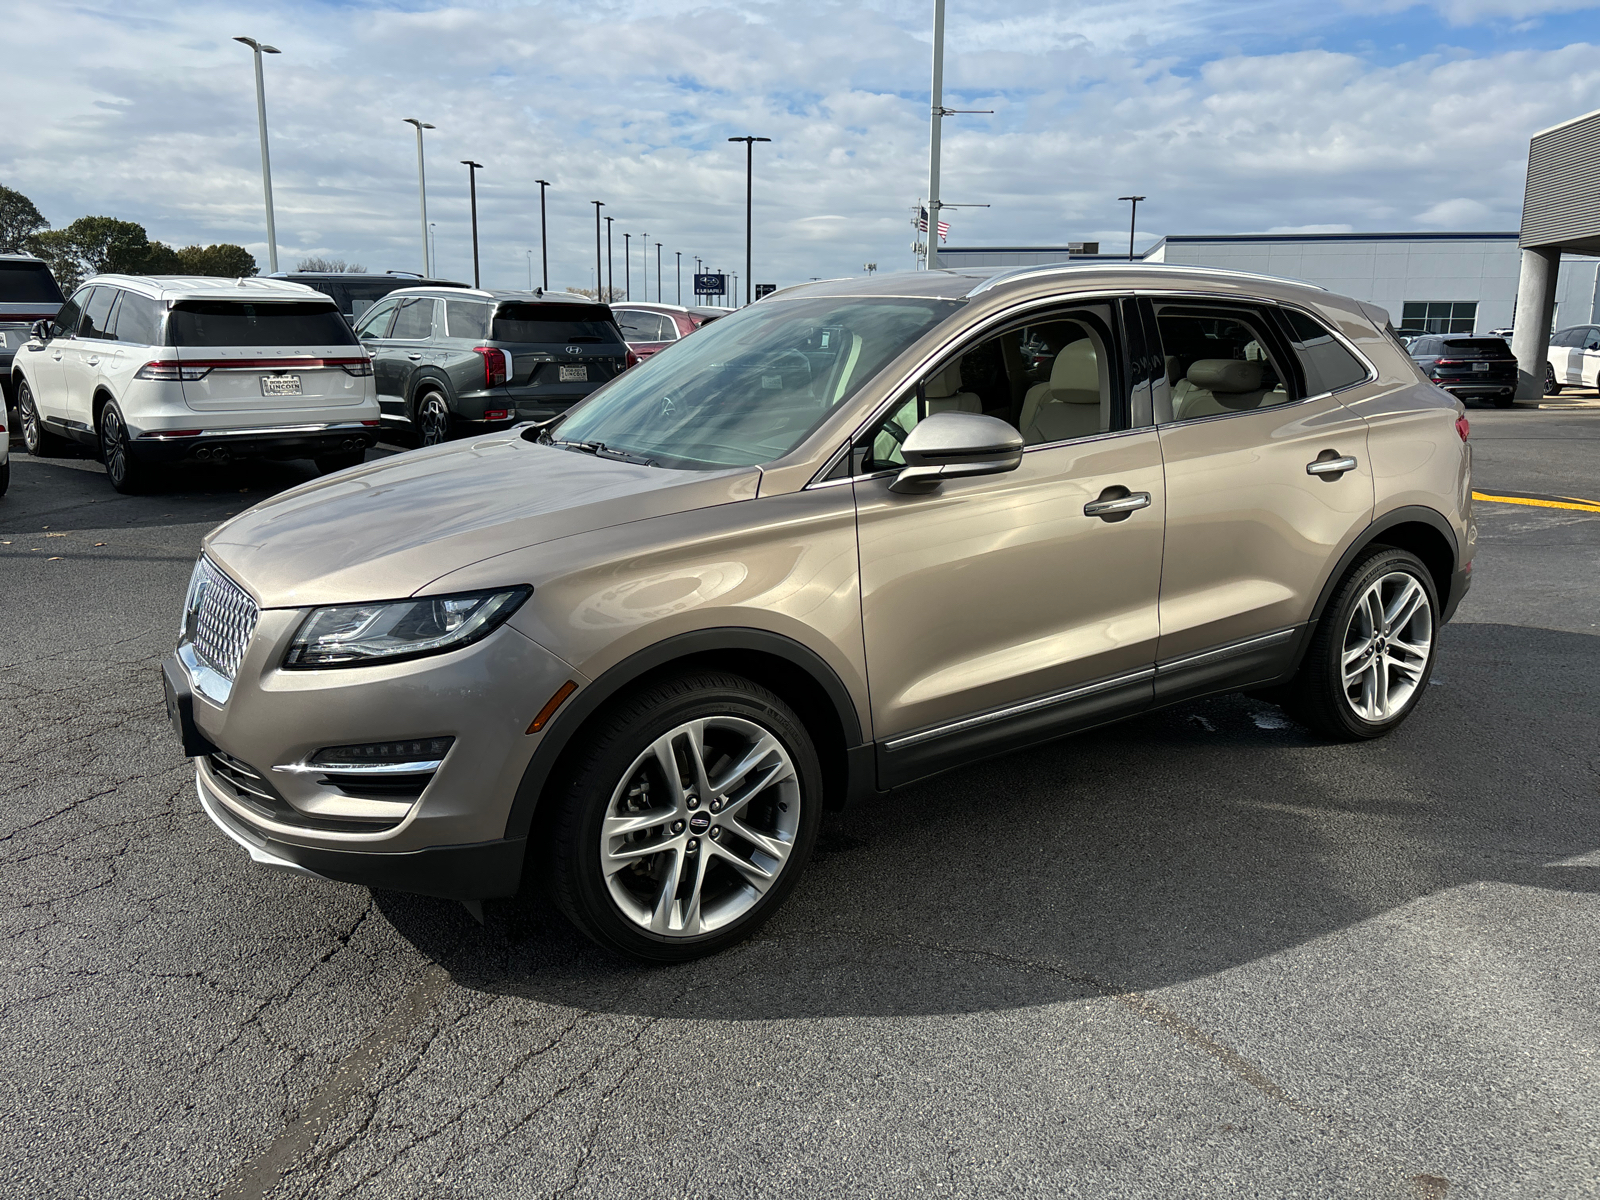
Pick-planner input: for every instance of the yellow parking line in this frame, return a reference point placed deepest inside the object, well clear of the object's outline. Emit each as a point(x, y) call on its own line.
point(1535, 503)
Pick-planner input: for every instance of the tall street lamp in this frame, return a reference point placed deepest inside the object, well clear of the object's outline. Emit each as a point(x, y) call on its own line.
point(1133, 218)
point(644, 253)
point(544, 234)
point(611, 275)
point(627, 266)
point(266, 163)
point(749, 176)
point(679, 255)
point(530, 270)
point(472, 183)
point(658, 272)
point(433, 241)
point(599, 279)
point(422, 196)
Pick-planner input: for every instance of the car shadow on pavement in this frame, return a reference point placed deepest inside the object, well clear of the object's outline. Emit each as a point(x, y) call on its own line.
point(1141, 855)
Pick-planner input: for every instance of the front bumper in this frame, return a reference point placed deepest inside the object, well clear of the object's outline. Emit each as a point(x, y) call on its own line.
point(447, 837)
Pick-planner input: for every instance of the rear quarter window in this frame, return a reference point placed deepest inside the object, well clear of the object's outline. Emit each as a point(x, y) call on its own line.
point(257, 323)
point(138, 320)
point(467, 319)
point(554, 323)
point(1328, 366)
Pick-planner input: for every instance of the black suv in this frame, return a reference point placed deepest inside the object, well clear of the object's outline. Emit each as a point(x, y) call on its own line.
point(28, 293)
point(1469, 368)
point(355, 293)
point(448, 361)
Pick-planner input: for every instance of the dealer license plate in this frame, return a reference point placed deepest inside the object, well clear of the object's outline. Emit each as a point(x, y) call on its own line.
point(280, 385)
point(574, 374)
point(1480, 366)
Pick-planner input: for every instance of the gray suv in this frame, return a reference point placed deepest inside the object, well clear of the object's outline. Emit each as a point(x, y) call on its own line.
point(448, 361)
point(859, 533)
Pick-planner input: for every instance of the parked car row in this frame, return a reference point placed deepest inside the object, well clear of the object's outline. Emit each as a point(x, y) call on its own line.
point(150, 371)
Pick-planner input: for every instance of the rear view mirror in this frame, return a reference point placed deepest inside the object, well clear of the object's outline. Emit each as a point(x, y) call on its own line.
point(41, 330)
point(956, 445)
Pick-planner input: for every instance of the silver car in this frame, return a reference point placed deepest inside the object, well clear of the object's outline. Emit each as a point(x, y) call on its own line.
point(862, 532)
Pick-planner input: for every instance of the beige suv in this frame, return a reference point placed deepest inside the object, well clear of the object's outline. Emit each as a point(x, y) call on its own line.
point(861, 532)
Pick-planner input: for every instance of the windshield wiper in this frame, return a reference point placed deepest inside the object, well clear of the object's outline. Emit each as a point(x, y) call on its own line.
point(601, 450)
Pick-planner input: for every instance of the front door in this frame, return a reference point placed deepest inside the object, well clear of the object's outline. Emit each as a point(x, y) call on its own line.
point(373, 331)
point(995, 609)
point(1255, 507)
point(46, 362)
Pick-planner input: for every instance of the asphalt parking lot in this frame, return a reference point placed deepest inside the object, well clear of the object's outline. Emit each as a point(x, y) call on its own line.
point(1196, 954)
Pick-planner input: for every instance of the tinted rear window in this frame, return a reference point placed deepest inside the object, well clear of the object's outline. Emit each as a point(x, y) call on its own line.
point(257, 323)
point(28, 283)
point(554, 323)
point(1494, 347)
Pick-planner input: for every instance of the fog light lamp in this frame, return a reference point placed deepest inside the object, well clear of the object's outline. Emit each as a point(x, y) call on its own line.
point(413, 754)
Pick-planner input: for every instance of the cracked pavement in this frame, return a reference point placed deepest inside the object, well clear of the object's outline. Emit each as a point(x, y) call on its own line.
point(1199, 953)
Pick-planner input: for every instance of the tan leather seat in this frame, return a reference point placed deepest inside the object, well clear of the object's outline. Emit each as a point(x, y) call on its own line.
point(943, 392)
point(1222, 385)
point(1073, 403)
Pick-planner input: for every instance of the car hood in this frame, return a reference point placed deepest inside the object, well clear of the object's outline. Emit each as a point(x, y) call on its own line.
point(387, 529)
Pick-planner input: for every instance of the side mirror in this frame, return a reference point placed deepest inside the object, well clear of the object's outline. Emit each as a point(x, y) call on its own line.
point(41, 330)
point(955, 445)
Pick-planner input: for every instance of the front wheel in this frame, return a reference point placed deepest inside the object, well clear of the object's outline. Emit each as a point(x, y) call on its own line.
point(686, 819)
point(127, 474)
point(40, 442)
point(1372, 652)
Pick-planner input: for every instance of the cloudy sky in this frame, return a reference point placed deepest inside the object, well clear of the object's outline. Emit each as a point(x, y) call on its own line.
point(1230, 115)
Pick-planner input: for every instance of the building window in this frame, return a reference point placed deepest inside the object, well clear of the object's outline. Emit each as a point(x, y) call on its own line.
point(1439, 316)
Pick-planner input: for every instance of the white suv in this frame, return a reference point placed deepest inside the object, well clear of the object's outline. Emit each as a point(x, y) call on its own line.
point(158, 369)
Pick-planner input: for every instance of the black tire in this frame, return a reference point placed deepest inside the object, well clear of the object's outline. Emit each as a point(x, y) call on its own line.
point(5, 476)
point(128, 475)
point(1551, 387)
point(599, 774)
point(1505, 401)
point(431, 419)
point(1318, 696)
point(327, 464)
point(38, 440)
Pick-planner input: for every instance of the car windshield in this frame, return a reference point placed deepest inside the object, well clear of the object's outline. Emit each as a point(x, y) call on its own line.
point(750, 387)
point(257, 323)
point(28, 282)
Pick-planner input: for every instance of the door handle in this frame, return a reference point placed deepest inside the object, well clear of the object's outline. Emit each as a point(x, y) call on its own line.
point(94, 362)
point(56, 356)
point(413, 357)
point(1117, 506)
point(1331, 466)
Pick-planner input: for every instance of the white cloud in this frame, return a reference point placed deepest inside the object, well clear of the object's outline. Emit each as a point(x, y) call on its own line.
point(1467, 12)
point(147, 112)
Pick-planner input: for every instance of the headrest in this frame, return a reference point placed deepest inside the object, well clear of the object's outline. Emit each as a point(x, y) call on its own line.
point(1075, 377)
point(1226, 375)
point(1174, 368)
point(945, 384)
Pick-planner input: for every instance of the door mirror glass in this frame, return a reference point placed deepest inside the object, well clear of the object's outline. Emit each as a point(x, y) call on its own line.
point(956, 445)
point(41, 330)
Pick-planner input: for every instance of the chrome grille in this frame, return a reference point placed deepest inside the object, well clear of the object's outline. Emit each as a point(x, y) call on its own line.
point(226, 619)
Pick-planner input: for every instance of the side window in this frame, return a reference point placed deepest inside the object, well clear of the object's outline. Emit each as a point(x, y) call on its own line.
point(65, 322)
point(415, 320)
point(467, 319)
point(1328, 366)
point(1055, 378)
point(1591, 340)
point(138, 320)
point(641, 325)
point(1221, 361)
point(97, 314)
point(376, 323)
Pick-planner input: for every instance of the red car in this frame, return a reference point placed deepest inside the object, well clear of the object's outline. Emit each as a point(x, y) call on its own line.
point(651, 327)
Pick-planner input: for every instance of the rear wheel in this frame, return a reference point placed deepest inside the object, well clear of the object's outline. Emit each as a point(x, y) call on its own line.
point(41, 443)
point(433, 419)
point(1551, 387)
point(127, 474)
point(686, 819)
point(1372, 652)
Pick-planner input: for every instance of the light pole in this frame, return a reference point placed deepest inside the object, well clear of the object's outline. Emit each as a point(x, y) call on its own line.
point(749, 186)
point(1133, 217)
point(611, 274)
point(679, 255)
point(544, 234)
point(422, 195)
point(644, 244)
point(530, 270)
point(627, 266)
point(266, 163)
point(599, 279)
point(472, 183)
point(658, 272)
point(433, 241)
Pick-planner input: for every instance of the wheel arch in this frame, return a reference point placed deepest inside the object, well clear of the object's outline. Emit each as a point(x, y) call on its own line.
point(1423, 531)
point(430, 379)
point(97, 405)
point(799, 675)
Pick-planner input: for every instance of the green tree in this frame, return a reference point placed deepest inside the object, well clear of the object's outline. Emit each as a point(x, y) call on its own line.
point(94, 246)
point(223, 259)
point(19, 220)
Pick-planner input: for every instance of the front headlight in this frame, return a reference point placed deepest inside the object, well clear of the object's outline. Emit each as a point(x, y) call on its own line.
point(353, 635)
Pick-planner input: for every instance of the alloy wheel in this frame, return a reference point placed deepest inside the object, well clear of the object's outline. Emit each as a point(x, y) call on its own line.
point(1387, 645)
point(700, 826)
point(29, 414)
point(114, 446)
point(433, 420)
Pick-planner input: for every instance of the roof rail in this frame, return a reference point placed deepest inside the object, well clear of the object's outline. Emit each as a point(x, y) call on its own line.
point(1058, 268)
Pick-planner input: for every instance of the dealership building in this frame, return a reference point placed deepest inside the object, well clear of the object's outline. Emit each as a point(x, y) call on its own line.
point(1434, 282)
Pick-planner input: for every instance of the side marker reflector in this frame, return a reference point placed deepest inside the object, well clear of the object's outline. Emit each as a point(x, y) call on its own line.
point(550, 706)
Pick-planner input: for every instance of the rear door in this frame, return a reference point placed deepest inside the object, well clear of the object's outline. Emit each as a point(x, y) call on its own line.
point(1254, 513)
point(1586, 359)
point(265, 355)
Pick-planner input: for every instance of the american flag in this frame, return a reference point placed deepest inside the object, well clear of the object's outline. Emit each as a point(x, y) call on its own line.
point(944, 226)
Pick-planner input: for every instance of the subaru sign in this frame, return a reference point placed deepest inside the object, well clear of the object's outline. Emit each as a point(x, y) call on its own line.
point(710, 285)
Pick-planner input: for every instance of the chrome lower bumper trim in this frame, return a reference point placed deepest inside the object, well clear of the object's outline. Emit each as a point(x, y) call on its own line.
point(260, 431)
point(258, 851)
